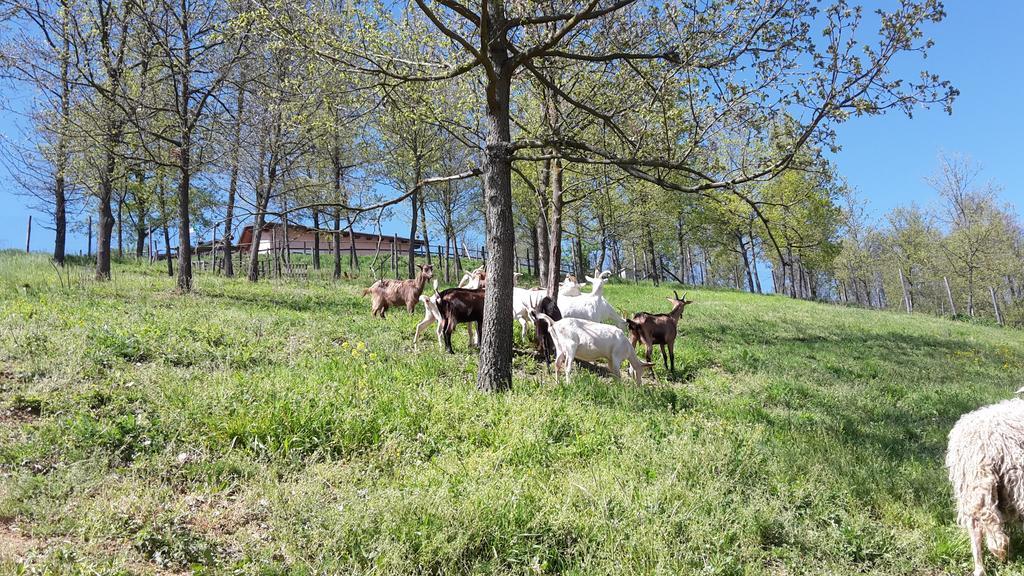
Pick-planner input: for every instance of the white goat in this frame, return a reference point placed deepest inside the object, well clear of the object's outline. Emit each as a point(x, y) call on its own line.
point(592, 306)
point(473, 280)
point(433, 315)
point(524, 301)
point(985, 459)
point(592, 341)
point(569, 287)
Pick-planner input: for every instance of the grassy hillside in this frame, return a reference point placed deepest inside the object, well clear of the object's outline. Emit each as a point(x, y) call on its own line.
point(279, 429)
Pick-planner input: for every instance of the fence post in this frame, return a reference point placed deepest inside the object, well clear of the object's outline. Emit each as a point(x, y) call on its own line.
point(89, 253)
point(28, 236)
point(394, 247)
point(949, 294)
point(995, 305)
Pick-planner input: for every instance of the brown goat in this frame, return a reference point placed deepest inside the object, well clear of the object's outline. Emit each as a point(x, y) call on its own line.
point(659, 329)
point(459, 306)
point(386, 293)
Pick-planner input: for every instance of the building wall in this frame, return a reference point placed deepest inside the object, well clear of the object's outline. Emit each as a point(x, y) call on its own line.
point(302, 241)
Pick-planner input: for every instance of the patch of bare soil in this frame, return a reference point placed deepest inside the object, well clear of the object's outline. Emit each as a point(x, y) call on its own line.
point(18, 415)
point(15, 544)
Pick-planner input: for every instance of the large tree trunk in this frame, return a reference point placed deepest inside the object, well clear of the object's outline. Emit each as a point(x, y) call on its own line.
point(495, 372)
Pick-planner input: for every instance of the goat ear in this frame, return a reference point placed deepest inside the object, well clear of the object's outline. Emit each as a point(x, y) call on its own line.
point(672, 300)
point(589, 279)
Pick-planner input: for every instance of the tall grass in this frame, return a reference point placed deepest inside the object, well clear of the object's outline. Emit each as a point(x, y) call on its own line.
point(277, 428)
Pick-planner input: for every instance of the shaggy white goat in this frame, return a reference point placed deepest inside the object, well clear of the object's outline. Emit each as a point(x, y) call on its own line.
point(592, 306)
point(985, 459)
point(592, 341)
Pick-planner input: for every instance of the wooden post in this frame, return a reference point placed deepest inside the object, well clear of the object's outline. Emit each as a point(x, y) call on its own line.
point(440, 261)
point(906, 295)
point(515, 256)
point(396, 251)
point(949, 294)
point(28, 236)
point(89, 253)
point(995, 305)
point(276, 250)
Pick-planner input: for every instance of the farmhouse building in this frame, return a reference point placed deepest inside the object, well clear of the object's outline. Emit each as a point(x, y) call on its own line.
point(300, 240)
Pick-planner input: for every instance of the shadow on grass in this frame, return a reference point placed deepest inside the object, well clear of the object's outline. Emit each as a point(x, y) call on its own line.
point(296, 303)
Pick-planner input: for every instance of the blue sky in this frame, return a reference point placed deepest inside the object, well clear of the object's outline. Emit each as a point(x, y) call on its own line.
point(885, 158)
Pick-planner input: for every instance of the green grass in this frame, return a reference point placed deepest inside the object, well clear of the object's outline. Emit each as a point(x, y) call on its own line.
point(279, 429)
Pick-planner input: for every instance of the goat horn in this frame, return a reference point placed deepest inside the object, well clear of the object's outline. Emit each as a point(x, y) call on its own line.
point(676, 294)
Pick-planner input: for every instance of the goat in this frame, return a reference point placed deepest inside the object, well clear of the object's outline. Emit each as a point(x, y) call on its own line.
point(591, 341)
point(545, 343)
point(569, 287)
point(659, 329)
point(386, 293)
point(456, 306)
point(432, 315)
point(985, 458)
point(523, 301)
point(475, 279)
point(592, 306)
point(597, 281)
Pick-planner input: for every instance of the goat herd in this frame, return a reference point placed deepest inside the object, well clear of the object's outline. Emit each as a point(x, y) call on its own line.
point(985, 456)
point(576, 327)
